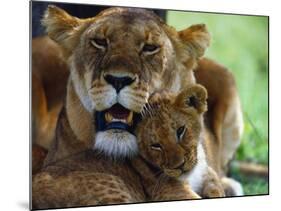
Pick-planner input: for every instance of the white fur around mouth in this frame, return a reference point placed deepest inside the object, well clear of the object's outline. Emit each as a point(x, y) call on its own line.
point(116, 145)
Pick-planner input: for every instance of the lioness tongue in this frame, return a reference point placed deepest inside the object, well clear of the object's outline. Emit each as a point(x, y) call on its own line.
point(119, 112)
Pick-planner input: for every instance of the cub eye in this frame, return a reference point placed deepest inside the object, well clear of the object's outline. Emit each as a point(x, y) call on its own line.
point(150, 49)
point(180, 132)
point(99, 43)
point(156, 146)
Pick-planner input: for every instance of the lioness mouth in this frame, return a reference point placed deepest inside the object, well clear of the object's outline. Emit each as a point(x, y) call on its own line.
point(117, 117)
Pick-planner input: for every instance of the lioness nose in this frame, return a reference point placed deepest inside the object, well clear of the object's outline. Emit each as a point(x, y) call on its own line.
point(118, 82)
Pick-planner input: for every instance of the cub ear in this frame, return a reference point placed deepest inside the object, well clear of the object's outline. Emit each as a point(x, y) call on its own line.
point(60, 26)
point(197, 39)
point(194, 96)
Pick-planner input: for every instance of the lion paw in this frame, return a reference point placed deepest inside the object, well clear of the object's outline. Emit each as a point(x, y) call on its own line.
point(213, 191)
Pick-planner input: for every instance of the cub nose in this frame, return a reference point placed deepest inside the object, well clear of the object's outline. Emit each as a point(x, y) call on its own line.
point(118, 82)
point(179, 164)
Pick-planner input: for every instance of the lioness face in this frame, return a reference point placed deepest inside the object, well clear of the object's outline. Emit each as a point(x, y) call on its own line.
point(117, 59)
point(169, 134)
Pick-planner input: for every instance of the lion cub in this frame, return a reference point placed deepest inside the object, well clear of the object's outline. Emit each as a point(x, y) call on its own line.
point(171, 140)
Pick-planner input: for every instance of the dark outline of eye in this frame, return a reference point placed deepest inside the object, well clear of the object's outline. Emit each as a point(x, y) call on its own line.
point(156, 146)
point(180, 132)
point(150, 49)
point(99, 43)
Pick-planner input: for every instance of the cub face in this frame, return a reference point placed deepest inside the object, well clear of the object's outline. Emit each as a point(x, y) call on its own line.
point(117, 59)
point(170, 131)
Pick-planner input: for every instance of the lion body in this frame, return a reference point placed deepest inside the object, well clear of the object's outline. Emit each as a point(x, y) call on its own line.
point(224, 117)
point(86, 179)
point(48, 89)
point(217, 79)
point(119, 43)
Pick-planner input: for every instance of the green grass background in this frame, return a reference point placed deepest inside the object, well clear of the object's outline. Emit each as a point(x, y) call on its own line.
point(241, 44)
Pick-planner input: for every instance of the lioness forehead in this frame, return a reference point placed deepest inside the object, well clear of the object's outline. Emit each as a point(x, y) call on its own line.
point(131, 14)
point(133, 21)
point(128, 17)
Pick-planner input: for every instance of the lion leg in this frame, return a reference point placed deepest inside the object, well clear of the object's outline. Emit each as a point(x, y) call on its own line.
point(162, 188)
point(39, 112)
point(232, 130)
point(212, 186)
point(224, 111)
point(174, 190)
point(228, 128)
point(38, 156)
point(78, 189)
point(232, 187)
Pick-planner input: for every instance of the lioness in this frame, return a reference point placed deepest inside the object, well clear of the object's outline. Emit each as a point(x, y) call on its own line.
point(116, 61)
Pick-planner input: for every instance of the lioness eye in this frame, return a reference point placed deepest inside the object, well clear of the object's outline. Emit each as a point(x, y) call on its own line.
point(156, 146)
point(180, 132)
point(150, 49)
point(99, 43)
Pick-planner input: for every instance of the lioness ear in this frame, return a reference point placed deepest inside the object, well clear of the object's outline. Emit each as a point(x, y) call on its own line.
point(197, 39)
point(194, 96)
point(60, 26)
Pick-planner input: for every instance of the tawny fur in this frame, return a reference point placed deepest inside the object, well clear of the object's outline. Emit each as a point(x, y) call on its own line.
point(171, 69)
point(49, 78)
point(224, 116)
point(152, 72)
point(213, 76)
point(86, 181)
point(173, 156)
point(89, 64)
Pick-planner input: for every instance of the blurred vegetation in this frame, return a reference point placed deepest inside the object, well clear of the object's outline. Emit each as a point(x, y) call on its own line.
point(241, 44)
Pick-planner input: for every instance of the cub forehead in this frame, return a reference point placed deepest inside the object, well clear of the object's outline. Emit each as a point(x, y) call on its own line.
point(166, 114)
point(163, 115)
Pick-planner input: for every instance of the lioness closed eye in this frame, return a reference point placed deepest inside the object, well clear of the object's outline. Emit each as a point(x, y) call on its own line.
point(171, 138)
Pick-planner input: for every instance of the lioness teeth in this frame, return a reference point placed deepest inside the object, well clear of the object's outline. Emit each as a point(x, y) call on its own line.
point(108, 117)
point(130, 117)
